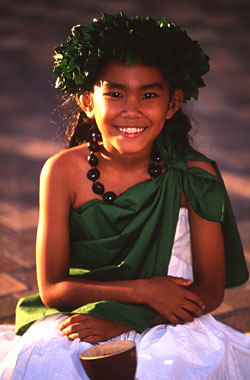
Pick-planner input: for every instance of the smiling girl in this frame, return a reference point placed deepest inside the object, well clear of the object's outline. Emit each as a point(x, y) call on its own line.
point(136, 237)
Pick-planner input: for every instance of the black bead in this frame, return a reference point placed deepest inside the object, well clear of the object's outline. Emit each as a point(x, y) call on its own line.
point(93, 174)
point(93, 146)
point(156, 156)
point(97, 136)
point(98, 188)
point(154, 170)
point(109, 197)
point(93, 160)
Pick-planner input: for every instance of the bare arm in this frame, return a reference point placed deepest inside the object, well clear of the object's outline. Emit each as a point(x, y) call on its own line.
point(56, 287)
point(208, 259)
point(59, 290)
point(208, 256)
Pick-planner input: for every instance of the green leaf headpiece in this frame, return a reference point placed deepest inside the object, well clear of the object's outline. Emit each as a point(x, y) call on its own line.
point(79, 60)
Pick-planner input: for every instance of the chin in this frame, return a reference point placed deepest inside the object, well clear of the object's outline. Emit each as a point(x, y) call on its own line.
point(130, 148)
point(126, 146)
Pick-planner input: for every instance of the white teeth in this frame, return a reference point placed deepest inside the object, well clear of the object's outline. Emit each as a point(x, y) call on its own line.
point(130, 130)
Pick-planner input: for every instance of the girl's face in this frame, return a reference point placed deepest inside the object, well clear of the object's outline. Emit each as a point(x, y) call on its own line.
point(130, 105)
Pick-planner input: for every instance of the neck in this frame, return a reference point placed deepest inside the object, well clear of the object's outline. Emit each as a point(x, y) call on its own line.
point(129, 159)
point(120, 167)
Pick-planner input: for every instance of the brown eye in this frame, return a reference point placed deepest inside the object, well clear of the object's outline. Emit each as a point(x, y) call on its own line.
point(114, 94)
point(149, 95)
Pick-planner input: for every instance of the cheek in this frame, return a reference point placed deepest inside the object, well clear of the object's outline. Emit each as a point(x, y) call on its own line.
point(158, 108)
point(159, 115)
point(105, 109)
point(99, 109)
point(104, 122)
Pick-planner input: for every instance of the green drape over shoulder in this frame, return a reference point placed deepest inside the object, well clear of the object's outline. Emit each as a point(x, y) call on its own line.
point(133, 238)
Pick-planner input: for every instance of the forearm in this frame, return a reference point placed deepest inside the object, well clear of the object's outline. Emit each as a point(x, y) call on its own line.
point(72, 293)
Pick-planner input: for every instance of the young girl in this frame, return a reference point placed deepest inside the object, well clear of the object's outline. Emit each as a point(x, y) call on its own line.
point(136, 236)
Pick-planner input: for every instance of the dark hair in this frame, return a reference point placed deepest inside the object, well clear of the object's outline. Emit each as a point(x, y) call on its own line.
point(78, 128)
point(79, 59)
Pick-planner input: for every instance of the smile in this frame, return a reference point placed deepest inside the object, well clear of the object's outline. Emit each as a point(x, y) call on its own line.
point(130, 130)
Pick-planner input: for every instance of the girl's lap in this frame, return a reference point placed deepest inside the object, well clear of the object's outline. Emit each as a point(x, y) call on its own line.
point(202, 347)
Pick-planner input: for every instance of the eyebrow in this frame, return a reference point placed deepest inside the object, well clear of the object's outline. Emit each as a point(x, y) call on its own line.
point(154, 85)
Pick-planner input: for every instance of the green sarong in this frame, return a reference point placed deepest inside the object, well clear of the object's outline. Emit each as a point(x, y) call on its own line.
point(133, 238)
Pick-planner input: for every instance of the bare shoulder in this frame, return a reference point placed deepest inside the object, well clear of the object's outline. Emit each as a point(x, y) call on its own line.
point(65, 162)
point(61, 173)
point(203, 165)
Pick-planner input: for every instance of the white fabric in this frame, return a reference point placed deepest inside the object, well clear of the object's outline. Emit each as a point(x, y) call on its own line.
point(200, 350)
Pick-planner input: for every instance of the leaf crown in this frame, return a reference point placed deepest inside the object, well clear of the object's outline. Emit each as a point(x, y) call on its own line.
point(79, 60)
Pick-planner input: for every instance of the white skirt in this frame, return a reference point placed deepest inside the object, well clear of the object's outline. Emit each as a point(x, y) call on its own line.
point(204, 349)
point(200, 350)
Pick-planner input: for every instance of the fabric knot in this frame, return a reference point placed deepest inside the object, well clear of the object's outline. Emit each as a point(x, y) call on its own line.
point(176, 164)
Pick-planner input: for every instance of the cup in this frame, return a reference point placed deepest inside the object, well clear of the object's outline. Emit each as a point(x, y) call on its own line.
point(115, 360)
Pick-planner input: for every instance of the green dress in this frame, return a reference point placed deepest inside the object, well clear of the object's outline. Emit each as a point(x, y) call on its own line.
point(133, 238)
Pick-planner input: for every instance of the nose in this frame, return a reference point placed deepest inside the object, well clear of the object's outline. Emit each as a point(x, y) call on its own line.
point(131, 108)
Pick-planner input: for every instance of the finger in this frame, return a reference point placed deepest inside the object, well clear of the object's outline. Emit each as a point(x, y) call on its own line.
point(194, 298)
point(185, 316)
point(193, 308)
point(188, 294)
point(75, 328)
point(73, 336)
point(71, 320)
point(67, 322)
point(85, 337)
point(174, 319)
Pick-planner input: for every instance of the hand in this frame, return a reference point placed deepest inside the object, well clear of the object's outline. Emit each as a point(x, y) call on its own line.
point(170, 298)
point(91, 329)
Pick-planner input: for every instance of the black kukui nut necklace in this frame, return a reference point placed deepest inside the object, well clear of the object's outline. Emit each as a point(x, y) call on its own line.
point(93, 174)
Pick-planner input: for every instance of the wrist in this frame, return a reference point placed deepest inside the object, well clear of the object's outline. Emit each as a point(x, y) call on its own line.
point(139, 292)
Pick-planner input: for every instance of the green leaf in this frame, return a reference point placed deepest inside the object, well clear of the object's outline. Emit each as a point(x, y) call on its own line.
point(116, 36)
point(78, 79)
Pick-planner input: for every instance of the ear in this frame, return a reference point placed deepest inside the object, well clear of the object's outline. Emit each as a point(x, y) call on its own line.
point(175, 103)
point(85, 101)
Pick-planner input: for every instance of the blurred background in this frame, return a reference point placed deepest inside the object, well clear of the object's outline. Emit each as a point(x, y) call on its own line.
point(29, 31)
